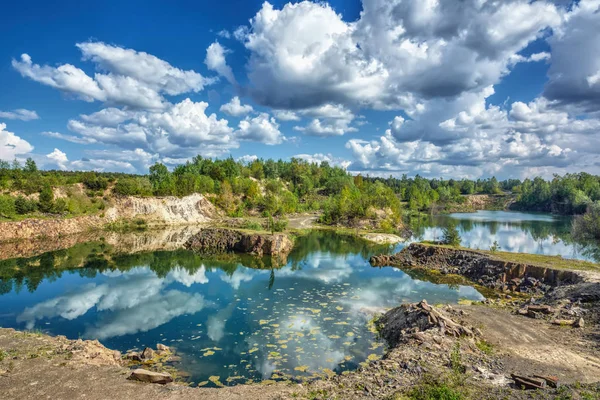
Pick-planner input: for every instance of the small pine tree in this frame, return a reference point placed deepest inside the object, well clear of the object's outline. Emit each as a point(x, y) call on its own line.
point(46, 203)
point(451, 236)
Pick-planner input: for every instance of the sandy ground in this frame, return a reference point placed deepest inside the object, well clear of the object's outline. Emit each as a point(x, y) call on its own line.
point(531, 346)
point(303, 222)
point(36, 366)
point(382, 238)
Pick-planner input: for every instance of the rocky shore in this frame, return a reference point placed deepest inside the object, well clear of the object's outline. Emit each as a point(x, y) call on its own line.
point(483, 269)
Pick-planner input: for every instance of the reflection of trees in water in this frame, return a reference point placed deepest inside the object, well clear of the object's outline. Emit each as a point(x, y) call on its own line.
point(556, 231)
point(326, 241)
point(89, 259)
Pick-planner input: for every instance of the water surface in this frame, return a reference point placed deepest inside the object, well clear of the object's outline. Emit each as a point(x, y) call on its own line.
point(516, 232)
point(238, 319)
point(307, 318)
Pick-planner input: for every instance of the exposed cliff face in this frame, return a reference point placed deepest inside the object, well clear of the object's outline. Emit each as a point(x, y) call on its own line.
point(482, 268)
point(217, 240)
point(164, 210)
point(194, 209)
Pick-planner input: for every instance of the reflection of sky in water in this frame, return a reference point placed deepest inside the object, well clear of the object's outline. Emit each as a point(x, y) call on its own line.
point(311, 318)
point(514, 231)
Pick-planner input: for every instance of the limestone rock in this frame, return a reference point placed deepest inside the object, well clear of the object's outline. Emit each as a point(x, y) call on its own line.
point(143, 375)
point(134, 356)
point(410, 320)
point(148, 354)
point(162, 347)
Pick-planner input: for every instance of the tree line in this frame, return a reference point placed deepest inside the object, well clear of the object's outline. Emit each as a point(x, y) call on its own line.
point(275, 188)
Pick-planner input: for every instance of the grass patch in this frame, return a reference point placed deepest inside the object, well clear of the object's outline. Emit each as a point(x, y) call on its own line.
point(435, 389)
point(556, 262)
point(251, 225)
point(485, 347)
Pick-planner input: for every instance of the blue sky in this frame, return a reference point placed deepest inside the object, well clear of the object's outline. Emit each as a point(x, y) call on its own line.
point(378, 86)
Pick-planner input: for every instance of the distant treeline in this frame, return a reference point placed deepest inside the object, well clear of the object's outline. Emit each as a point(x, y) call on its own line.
point(570, 194)
point(281, 187)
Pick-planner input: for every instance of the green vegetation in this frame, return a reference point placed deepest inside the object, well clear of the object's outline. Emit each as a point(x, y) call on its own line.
point(450, 386)
point(451, 236)
point(277, 188)
point(587, 226)
point(26, 191)
point(90, 258)
point(485, 347)
point(495, 247)
point(435, 389)
point(567, 195)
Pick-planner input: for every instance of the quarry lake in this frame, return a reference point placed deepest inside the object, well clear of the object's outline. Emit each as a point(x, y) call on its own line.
point(236, 319)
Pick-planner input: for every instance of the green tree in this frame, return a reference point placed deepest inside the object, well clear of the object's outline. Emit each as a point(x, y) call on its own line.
point(46, 202)
point(451, 236)
point(30, 166)
point(587, 226)
point(161, 180)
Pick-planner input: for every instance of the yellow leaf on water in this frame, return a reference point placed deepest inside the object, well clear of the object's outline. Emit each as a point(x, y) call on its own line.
point(208, 353)
point(216, 380)
point(301, 368)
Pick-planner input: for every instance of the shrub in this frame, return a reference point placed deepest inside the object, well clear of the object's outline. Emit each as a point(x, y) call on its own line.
point(59, 207)
point(280, 225)
point(436, 391)
point(94, 182)
point(387, 226)
point(7, 206)
point(46, 203)
point(24, 205)
point(133, 187)
point(252, 225)
point(494, 247)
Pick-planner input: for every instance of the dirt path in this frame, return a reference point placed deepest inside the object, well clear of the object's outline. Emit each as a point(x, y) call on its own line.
point(529, 346)
point(303, 222)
